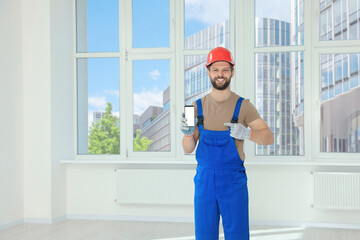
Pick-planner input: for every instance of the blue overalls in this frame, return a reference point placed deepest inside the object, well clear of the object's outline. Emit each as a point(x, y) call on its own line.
point(220, 184)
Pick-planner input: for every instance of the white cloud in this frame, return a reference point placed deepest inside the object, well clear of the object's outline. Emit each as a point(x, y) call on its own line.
point(276, 9)
point(144, 99)
point(208, 12)
point(214, 11)
point(97, 102)
point(112, 92)
point(155, 74)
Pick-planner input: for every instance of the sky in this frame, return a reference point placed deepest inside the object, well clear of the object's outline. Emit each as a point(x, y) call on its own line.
point(151, 24)
point(276, 9)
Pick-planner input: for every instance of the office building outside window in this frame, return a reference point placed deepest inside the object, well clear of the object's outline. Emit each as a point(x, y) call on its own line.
point(339, 78)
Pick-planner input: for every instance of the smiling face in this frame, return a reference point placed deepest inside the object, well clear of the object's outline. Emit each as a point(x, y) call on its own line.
point(220, 74)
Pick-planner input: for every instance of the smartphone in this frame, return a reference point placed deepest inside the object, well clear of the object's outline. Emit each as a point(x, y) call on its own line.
point(190, 115)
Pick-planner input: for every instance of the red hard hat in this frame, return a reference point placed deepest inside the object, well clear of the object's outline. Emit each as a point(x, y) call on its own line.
point(219, 54)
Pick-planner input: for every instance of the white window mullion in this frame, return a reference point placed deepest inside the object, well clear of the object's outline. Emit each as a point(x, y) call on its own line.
point(245, 47)
point(240, 44)
point(309, 23)
point(124, 113)
point(179, 74)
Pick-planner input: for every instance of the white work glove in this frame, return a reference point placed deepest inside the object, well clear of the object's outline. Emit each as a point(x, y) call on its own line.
point(238, 131)
point(188, 131)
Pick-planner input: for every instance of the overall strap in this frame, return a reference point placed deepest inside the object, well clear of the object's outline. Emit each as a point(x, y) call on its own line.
point(237, 110)
point(200, 116)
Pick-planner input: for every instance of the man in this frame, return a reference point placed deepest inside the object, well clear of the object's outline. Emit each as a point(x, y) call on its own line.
point(222, 121)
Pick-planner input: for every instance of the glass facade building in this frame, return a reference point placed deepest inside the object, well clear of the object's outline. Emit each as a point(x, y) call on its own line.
point(339, 78)
point(197, 83)
point(340, 107)
point(277, 85)
point(279, 79)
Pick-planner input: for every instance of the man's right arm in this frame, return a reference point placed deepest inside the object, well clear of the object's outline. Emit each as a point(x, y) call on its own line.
point(189, 142)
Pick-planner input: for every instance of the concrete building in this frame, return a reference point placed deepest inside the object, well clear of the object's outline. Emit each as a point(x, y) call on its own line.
point(155, 125)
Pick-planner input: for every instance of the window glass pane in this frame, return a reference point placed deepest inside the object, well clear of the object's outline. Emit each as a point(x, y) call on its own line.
point(279, 23)
point(151, 23)
point(340, 111)
point(197, 83)
point(98, 106)
point(280, 101)
point(97, 26)
point(338, 20)
point(151, 129)
point(207, 24)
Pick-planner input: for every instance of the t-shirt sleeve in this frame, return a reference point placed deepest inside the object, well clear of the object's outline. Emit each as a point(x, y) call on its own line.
point(251, 112)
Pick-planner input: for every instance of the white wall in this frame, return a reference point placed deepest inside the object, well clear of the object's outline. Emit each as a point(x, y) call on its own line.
point(36, 94)
point(62, 100)
point(91, 193)
point(37, 110)
point(11, 105)
point(279, 195)
point(36, 46)
point(48, 106)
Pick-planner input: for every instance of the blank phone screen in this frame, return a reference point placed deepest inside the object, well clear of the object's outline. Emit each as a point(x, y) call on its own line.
point(190, 115)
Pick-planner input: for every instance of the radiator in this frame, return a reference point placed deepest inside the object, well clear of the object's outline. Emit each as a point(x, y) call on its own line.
point(333, 190)
point(139, 186)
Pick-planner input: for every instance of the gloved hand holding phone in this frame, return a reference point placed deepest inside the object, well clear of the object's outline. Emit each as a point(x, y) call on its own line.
point(185, 128)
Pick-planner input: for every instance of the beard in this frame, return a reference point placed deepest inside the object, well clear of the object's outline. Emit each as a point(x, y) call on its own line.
point(223, 86)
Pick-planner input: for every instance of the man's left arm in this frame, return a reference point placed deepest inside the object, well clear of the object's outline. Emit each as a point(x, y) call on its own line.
point(261, 133)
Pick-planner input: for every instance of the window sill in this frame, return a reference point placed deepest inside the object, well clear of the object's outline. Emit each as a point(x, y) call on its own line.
point(193, 162)
point(137, 161)
point(303, 163)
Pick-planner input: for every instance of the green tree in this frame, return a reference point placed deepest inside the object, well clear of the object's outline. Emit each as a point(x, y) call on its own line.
point(105, 134)
point(141, 144)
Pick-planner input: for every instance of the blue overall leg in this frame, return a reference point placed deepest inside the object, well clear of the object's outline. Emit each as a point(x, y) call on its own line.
point(232, 196)
point(207, 213)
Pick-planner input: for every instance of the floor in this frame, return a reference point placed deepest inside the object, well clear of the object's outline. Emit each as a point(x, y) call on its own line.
point(116, 230)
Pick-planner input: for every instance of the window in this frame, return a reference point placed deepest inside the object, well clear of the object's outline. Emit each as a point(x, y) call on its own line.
point(345, 20)
point(138, 62)
point(339, 118)
point(207, 24)
point(151, 84)
point(279, 23)
point(98, 106)
point(339, 109)
point(106, 59)
point(151, 30)
point(97, 26)
point(282, 71)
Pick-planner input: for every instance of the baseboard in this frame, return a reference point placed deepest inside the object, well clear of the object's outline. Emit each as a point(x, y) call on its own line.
point(132, 218)
point(38, 220)
point(11, 224)
point(305, 224)
point(45, 220)
point(59, 219)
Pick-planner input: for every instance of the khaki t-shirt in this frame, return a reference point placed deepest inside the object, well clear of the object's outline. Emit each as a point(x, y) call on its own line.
point(216, 113)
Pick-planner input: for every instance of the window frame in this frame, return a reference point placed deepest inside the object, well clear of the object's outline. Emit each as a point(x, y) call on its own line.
point(242, 44)
point(250, 51)
point(130, 104)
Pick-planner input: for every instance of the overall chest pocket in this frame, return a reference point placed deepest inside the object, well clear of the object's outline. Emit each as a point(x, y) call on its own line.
point(216, 140)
